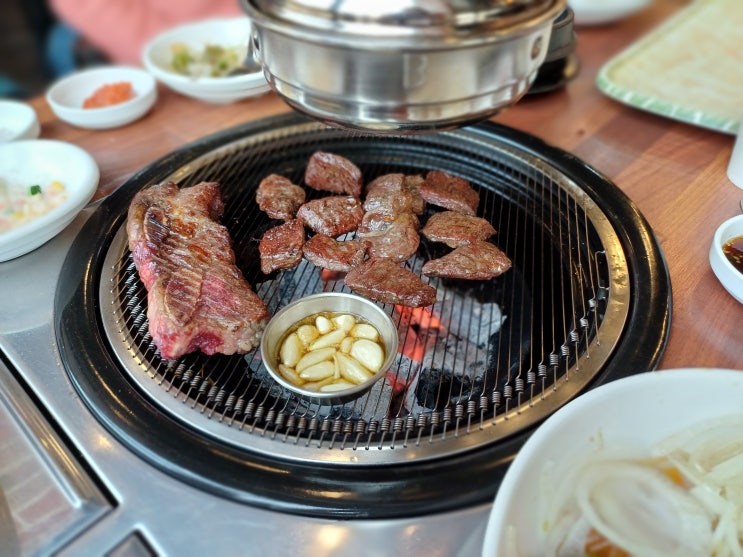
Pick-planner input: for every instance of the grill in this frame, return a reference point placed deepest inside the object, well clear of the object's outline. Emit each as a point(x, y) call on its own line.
point(586, 301)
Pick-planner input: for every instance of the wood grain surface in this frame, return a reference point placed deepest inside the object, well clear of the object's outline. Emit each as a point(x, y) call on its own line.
point(674, 172)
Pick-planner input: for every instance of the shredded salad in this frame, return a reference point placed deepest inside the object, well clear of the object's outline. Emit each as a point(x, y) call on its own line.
point(684, 499)
point(23, 203)
point(211, 61)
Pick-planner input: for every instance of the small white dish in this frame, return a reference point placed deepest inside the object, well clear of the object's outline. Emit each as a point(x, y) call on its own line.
point(40, 162)
point(603, 12)
point(726, 273)
point(17, 121)
point(67, 95)
point(628, 418)
point(231, 33)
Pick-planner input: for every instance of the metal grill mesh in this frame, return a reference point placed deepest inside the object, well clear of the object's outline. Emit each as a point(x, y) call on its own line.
point(488, 359)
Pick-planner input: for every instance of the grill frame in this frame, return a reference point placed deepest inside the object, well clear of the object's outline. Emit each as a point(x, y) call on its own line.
point(369, 488)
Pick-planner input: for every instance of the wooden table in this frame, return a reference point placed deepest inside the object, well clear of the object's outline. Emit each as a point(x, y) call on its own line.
point(674, 172)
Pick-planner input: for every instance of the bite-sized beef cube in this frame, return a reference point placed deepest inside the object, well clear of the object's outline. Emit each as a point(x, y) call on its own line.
point(392, 194)
point(450, 192)
point(336, 255)
point(197, 298)
point(333, 215)
point(333, 173)
point(456, 229)
point(398, 241)
point(383, 280)
point(279, 197)
point(476, 261)
point(281, 246)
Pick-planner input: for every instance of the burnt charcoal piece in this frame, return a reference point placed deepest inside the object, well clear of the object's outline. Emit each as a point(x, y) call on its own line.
point(278, 197)
point(398, 241)
point(281, 246)
point(332, 254)
point(333, 173)
point(477, 261)
point(456, 229)
point(333, 215)
point(197, 298)
point(383, 280)
point(450, 192)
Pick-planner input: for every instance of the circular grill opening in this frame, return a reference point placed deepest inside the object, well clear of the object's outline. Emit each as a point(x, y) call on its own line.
point(476, 372)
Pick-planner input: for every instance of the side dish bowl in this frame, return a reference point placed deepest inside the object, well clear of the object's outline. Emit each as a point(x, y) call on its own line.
point(39, 162)
point(17, 121)
point(604, 12)
point(227, 33)
point(730, 277)
point(627, 418)
point(66, 97)
point(289, 316)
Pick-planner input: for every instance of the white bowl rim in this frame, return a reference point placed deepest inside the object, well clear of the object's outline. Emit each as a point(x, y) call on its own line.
point(651, 382)
point(25, 115)
point(77, 198)
point(726, 273)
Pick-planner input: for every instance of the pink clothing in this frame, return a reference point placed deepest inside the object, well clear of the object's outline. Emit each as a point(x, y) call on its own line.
point(120, 29)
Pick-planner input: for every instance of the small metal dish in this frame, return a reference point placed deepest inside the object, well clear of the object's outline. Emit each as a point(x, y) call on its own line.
point(333, 302)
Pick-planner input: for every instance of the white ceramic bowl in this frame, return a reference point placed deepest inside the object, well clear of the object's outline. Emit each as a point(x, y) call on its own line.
point(66, 97)
point(17, 121)
point(627, 417)
point(603, 12)
point(334, 302)
point(226, 32)
point(727, 274)
point(39, 162)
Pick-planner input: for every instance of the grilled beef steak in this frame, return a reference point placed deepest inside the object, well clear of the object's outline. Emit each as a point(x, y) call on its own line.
point(281, 246)
point(383, 280)
point(329, 253)
point(398, 241)
point(450, 192)
point(279, 197)
point(456, 229)
point(333, 215)
point(476, 261)
point(197, 298)
point(333, 173)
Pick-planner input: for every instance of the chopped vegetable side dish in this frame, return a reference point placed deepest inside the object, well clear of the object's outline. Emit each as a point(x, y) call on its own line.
point(20, 205)
point(212, 61)
point(110, 94)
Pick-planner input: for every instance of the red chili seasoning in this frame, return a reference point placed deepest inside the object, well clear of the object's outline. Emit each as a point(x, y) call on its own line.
point(733, 250)
point(110, 93)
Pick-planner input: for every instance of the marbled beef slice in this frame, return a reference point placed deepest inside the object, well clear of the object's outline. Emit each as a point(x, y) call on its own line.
point(197, 298)
point(333, 173)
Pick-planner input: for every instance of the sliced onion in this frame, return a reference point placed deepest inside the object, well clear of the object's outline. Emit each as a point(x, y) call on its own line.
point(640, 510)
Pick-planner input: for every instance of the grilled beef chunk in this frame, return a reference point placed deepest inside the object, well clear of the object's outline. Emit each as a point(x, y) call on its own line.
point(329, 253)
point(333, 173)
point(279, 197)
point(333, 215)
point(281, 246)
point(383, 280)
point(392, 194)
point(197, 298)
point(398, 241)
point(476, 261)
point(456, 229)
point(450, 192)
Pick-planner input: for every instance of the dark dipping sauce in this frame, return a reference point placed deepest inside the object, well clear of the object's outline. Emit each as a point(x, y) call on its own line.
point(733, 250)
